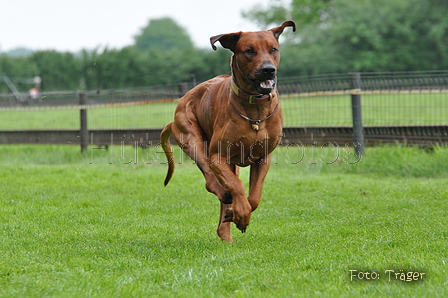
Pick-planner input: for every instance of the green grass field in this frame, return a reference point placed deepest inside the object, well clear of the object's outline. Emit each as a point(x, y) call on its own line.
point(410, 109)
point(75, 225)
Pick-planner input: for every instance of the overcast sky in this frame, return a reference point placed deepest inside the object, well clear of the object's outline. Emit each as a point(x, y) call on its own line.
point(71, 25)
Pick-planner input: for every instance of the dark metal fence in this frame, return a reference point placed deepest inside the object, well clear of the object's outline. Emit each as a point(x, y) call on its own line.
point(409, 107)
point(377, 81)
point(59, 98)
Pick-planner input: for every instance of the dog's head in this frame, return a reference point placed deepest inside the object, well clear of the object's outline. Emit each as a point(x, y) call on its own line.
point(255, 57)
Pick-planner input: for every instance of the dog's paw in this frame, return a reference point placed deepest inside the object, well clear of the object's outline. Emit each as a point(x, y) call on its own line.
point(241, 216)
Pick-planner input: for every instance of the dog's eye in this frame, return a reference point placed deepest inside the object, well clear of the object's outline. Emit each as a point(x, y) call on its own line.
point(274, 50)
point(249, 51)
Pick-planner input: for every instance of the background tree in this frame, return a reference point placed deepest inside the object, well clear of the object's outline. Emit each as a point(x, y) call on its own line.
point(59, 71)
point(333, 37)
point(395, 35)
point(309, 15)
point(163, 34)
point(20, 52)
point(16, 67)
point(114, 68)
point(362, 35)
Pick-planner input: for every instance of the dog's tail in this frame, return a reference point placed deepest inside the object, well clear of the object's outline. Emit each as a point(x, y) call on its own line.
point(166, 146)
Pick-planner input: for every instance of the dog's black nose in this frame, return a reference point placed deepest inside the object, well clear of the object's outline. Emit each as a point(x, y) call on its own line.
point(268, 69)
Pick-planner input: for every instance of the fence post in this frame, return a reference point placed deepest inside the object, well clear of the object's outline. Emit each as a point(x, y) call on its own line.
point(358, 128)
point(84, 133)
point(183, 88)
point(194, 80)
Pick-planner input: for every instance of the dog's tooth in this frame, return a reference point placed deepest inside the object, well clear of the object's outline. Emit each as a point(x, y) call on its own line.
point(266, 84)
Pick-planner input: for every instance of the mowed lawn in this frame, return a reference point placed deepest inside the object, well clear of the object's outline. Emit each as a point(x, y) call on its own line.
point(380, 109)
point(77, 226)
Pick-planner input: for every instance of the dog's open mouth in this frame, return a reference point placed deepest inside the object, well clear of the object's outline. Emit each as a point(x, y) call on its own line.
point(264, 87)
point(267, 84)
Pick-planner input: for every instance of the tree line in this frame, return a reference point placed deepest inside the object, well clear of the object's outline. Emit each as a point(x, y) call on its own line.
point(162, 53)
point(114, 68)
point(336, 36)
point(332, 37)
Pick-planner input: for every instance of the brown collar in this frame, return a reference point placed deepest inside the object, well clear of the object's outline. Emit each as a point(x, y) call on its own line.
point(253, 99)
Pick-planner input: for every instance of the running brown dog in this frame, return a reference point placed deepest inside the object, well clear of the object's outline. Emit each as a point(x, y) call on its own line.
point(233, 121)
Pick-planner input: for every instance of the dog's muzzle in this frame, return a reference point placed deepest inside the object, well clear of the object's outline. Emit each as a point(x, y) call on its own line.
point(264, 79)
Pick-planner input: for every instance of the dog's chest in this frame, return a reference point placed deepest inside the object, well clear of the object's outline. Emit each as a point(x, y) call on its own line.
point(249, 147)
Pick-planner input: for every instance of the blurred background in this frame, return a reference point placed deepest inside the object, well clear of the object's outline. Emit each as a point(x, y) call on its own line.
point(134, 59)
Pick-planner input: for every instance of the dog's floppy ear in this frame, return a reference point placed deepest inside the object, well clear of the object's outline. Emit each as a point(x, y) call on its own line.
point(279, 30)
point(227, 41)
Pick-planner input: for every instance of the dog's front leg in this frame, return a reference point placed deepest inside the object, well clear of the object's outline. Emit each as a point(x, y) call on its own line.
point(241, 209)
point(258, 172)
